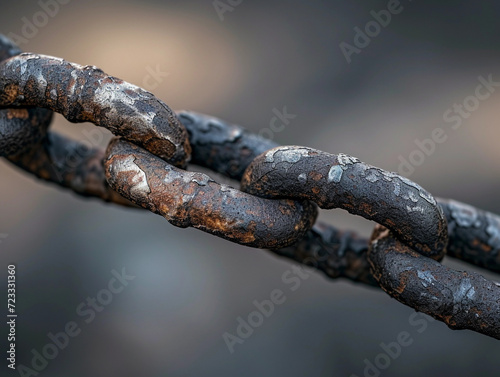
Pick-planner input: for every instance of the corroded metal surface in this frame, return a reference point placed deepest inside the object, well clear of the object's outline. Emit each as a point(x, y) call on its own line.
point(87, 94)
point(69, 164)
point(25, 142)
point(220, 146)
point(194, 199)
point(282, 183)
point(20, 128)
point(341, 181)
point(462, 300)
point(336, 253)
point(474, 234)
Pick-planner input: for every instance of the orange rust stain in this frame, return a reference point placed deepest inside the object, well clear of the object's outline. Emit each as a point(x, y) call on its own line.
point(285, 210)
point(348, 207)
point(86, 116)
point(390, 223)
point(10, 93)
point(189, 190)
point(109, 80)
point(482, 245)
point(17, 113)
point(449, 320)
point(403, 281)
point(315, 176)
point(366, 208)
point(220, 224)
point(476, 311)
point(249, 235)
point(44, 174)
point(252, 212)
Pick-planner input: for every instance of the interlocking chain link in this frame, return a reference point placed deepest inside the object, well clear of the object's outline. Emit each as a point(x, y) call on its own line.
point(194, 199)
point(281, 188)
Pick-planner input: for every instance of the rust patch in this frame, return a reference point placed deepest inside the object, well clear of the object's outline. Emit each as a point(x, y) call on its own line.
point(315, 176)
point(9, 94)
point(17, 114)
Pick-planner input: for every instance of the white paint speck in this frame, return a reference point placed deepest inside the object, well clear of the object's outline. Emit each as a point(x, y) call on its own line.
point(140, 187)
point(427, 277)
point(397, 188)
point(290, 154)
point(413, 197)
point(335, 174)
point(372, 177)
point(346, 160)
point(415, 209)
point(424, 194)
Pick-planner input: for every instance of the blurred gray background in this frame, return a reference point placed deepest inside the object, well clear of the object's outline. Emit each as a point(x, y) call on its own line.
point(190, 287)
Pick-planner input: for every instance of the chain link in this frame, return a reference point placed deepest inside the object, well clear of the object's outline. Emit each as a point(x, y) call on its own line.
point(281, 188)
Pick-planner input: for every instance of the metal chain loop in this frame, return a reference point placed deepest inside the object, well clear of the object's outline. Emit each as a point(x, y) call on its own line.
point(87, 94)
point(194, 199)
point(462, 300)
point(345, 182)
point(281, 184)
point(474, 234)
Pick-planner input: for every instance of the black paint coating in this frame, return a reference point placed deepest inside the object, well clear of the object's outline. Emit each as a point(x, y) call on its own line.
point(69, 164)
point(220, 146)
point(337, 254)
point(87, 94)
point(24, 141)
point(474, 234)
point(20, 129)
point(462, 300)
point(341, 181)
point(194, 199)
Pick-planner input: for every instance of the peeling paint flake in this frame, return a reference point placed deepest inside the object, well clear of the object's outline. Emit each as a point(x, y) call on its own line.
point(372, 177)
point(464, 215)
point(397, 188)
point(345, 160)
point(139, 181)
point(335, 174)
point(427, 277)
point(493, 230)
point(415, 209)
point(428, 197)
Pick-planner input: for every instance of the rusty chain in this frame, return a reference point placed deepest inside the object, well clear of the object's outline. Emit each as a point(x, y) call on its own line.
point(281, 188)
